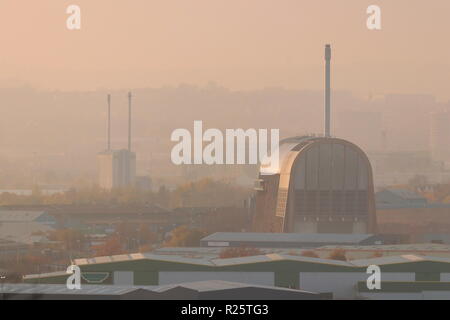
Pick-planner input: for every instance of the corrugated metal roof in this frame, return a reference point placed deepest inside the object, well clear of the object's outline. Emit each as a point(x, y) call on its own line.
point(45, 275)
point(397, 259)
point(199, 286)
point(286, 237)
point(215, 285)
point(391, 247)
point(23, 288)
point(407, 258)
point(208, 262)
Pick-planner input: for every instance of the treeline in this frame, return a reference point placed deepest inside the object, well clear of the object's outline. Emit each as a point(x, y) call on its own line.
point(202, 193)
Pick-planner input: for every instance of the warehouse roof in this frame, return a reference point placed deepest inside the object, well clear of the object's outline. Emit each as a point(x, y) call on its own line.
point(24, 288)
point(45, 275)
point(262, 258)
point(142, 256)
point(19, 215)
point(214, 285)
point(208, 262)
point(393, 247)
point(409, 258)
point(152, 292)
point(286, 237)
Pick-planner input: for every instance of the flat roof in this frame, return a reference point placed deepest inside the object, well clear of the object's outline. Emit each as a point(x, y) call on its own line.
point(436, 247)
point(286, 237)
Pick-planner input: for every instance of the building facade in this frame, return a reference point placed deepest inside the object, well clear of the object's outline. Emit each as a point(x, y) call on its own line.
point(117, 168)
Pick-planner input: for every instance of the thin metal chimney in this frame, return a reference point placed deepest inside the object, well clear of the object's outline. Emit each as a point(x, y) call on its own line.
point(327, 89)
point(109, 122)
point(129, 121)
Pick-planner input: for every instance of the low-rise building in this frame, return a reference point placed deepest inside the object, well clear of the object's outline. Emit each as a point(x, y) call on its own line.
point(202, 290)
point(286, 240)
point(341, 278)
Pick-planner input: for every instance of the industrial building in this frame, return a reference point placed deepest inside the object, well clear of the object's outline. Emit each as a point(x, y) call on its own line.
point(117, 168)
point(202, 290)
point(286, 240)
point(341, 278)
point(321, 185)
point(352, 252)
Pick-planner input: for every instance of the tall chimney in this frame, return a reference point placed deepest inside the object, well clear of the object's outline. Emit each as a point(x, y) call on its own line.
point(327, 89)
point(129, 121)
point(109, 122)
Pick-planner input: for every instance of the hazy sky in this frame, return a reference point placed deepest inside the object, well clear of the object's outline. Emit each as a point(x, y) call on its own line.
point(241, 44)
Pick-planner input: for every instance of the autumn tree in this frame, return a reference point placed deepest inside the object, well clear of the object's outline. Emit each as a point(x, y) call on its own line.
point(310, 254)
point(338, 254)
point(235, 252)
point(112, 246)
point(71, 239)
point(185, 237)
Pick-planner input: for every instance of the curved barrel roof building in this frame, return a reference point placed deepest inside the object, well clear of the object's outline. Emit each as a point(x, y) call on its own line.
point(322, 185)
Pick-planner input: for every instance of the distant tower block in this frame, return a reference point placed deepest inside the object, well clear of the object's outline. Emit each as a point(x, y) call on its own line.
point(117, 168)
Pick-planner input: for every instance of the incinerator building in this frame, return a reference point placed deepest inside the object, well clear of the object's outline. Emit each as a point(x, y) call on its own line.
point(322, 185)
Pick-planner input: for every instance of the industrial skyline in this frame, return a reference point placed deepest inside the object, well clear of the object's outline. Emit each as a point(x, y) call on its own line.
point(117, 168)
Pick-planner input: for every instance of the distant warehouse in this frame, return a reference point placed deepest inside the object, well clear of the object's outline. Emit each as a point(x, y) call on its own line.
point(286, 240)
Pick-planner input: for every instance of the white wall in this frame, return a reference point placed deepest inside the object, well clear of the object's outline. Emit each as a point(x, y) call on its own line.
point(260, 278)
point(123, 278)
point(392, 295)
point(425, 295)
point(343, 284)
point(436, 295)
point(445, 277)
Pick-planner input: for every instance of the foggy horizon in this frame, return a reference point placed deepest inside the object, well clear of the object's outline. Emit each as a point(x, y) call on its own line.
point(242, 46)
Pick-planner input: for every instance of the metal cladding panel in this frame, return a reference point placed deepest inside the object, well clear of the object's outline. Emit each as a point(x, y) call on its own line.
point(343, 284)
point(259, 278)
point(123, 278)
point(283, 191)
